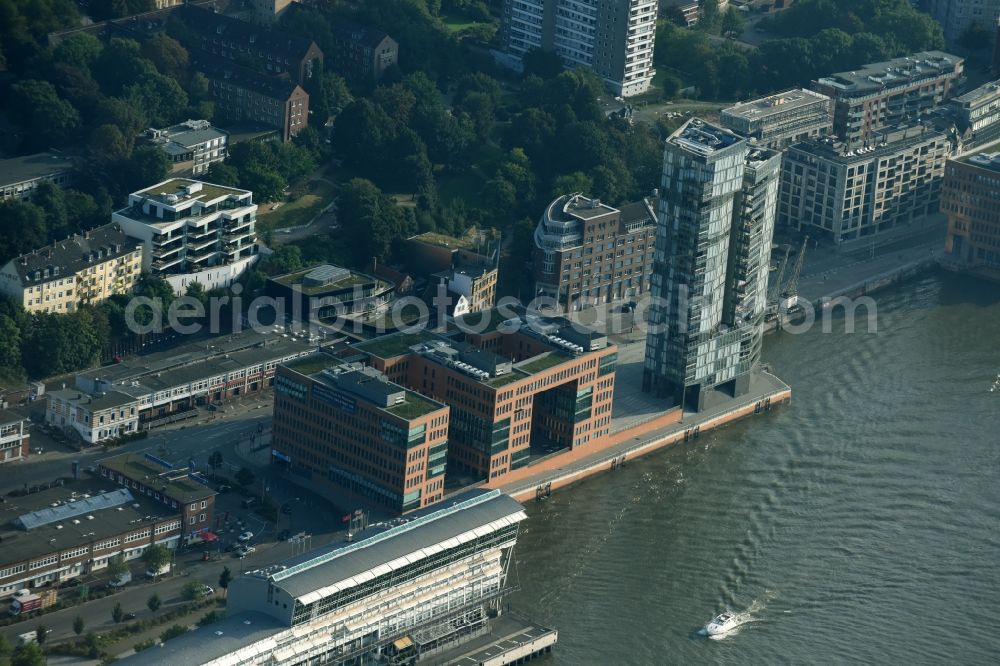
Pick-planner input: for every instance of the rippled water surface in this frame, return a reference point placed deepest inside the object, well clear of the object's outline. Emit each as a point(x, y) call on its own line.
point(861, 523)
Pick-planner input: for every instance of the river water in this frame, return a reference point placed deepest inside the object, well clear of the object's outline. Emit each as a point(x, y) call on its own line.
point(859, 524)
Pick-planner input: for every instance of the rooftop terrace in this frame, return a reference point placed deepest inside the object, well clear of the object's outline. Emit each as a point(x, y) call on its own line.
point(398, 344)
point(172, 482)
point(775, 104)
point(703, 138)
point(176, 186)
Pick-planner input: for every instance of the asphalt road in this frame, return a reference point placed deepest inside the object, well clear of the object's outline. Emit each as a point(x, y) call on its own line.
point(233, 433)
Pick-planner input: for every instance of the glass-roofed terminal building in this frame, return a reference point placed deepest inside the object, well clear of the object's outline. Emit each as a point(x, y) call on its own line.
point(398, 593)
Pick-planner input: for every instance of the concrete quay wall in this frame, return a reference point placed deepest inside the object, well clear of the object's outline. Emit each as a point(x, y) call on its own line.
point(565, 469)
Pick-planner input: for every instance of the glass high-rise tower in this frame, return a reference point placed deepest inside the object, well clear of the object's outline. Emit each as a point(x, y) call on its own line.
point(709, 284)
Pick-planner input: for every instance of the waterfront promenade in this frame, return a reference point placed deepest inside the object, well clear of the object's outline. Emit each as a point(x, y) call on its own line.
point(562, 469)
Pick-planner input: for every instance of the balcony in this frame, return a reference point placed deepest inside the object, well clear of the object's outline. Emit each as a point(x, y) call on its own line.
point(165, 252)
point(201, 257)
point(164, 264)
point(194, 246)
point(197, 233)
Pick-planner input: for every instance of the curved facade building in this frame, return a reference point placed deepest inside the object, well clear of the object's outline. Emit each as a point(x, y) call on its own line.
point(587, 252)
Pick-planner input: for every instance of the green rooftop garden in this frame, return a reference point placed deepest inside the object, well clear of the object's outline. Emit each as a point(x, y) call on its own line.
point(415, 406)
point(312, 364)
point(391, 346)
point(503, 380)
point(544, 362)
point(208, 191)
point(466, 242)
point(352, 280)
point(137, 467)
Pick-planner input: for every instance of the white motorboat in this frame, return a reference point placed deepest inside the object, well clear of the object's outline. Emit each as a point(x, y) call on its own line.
point(722, 623)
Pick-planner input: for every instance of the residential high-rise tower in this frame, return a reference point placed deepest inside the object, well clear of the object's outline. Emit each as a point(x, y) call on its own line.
point(716, 220)
point(614, 38)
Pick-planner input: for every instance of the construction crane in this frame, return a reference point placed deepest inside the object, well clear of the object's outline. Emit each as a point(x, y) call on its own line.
point(776, 285)
point(792, 288)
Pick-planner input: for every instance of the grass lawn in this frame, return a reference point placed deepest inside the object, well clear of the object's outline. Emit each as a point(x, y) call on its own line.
point(457, 23)
point(315, 196)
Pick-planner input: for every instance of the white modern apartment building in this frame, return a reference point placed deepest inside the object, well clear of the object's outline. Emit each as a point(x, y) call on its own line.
point(191, 146)
point(192, 231)
point(397, 593)
point(614, 38)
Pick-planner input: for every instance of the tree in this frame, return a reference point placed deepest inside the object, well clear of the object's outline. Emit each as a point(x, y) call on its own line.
point(975, 38)
point(107, 9)
point(167, 54)
point(45, 118)
point(215, 459)
point(266, 185)
point(22, 228)
point(224, 578)
point(541, 63)
point(160, 98)
point(571, 183)
point(709, 15)
point(117, 614)
point(120, 64)
point(29, 654)
point(371, 220)
point(79, 50)
point(4, 649)
point(40, 634)
point(286, 259)
point(147, 166)
point(192, 589)
point(117, 566)
point(78, 625)
point(156, 557)
point(245, 476)
point(173, 631)
point(153, 603)
point(107, 145)
point(223, 174)
point(732, 22)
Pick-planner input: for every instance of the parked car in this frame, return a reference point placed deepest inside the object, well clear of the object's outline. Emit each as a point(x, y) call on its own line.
point(243, 551)
point(246, 536)
point(284, 534)
point(206, 590)
point(286, 508)
point(129, 616)
point(224, 488)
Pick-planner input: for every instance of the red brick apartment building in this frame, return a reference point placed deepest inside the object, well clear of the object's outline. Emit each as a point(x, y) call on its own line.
point(516, 384)
point(347, 426)
point(969, 197)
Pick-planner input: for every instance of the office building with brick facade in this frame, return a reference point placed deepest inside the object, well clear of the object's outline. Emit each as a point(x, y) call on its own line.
point(970, 197)
point(587, 252)
point(516, 384)
point(350, 427)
